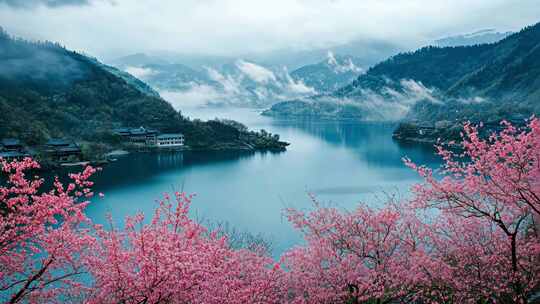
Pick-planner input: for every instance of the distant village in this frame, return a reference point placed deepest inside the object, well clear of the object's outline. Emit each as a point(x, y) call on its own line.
point(60, 150)
point(150, 138)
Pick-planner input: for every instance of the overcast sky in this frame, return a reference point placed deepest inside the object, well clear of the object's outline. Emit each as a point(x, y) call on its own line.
point(106, 28)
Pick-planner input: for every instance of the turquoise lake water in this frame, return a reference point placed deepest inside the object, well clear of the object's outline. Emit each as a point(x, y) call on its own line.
point(341, 163)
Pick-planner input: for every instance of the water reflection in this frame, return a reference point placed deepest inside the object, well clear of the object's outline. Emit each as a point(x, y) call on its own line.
point(341, 163)
point(373, 142)
point(141, 167)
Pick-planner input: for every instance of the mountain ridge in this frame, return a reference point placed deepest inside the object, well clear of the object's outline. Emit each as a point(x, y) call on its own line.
point(477, 37)
point(330, 74)
point(47, 91)
point(435, 82)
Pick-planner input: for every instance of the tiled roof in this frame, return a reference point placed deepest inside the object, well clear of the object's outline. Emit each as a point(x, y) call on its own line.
point(135, 131)
point(121, 130)
point(166, 135)
point(11, 154)
point(57, 142)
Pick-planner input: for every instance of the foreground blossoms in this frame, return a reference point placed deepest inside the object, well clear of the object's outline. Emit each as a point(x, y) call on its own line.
point(51, 253)
point(43, 236)
point(469, 234)
point(175, 260)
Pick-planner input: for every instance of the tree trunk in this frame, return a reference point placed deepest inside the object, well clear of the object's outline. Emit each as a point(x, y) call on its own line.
point(518, 288)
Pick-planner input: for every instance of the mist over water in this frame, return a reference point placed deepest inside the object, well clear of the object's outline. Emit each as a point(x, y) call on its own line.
point(339, 163)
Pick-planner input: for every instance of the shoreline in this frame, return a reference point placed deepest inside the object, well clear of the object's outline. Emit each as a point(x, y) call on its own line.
point(125, 151)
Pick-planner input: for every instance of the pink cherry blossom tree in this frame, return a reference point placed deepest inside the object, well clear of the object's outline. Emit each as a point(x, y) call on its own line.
point(493, 182)
point(470, 261)
point(468, 235)
point(50, 252)
point(42, 235)
point(173, 259)
point(355, 257)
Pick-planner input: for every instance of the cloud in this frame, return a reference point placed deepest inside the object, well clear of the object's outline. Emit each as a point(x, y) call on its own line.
point(47, 3)
point(236, 27)
point(390, 103)
point(343, 67)
point(418, 91)
point(256, 72)
point(142, 73)
point(297, 87)
point(472, 100)
point(331, 59)
point(244, 84)
point(395, 105)
point(196, 96)
point(230, 84)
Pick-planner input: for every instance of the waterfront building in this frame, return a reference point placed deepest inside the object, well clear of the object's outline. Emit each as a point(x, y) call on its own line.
point(170, 140)
point(138, 136)
point(62, 150)
point(11, 144)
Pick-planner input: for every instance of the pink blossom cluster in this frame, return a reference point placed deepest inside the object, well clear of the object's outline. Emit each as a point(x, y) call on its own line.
point(51, 253)
point(469, 234)
point(42, 235)
point(175, 260)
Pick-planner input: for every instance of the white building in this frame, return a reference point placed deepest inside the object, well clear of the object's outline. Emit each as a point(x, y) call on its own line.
point(170, 140)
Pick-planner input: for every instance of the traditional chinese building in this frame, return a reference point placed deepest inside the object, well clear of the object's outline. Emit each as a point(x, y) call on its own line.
point(12, 155)
point(139, 136)
point(62, 150)
point(11, 144)
point(12, 148)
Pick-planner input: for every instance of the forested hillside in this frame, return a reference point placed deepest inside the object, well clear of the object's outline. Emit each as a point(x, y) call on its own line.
point(480, 82)
point(330, 74)
point(501, 78)
point(48, 91)
point(477, 37)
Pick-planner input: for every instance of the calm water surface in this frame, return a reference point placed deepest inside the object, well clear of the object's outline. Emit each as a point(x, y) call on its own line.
point(341, 163)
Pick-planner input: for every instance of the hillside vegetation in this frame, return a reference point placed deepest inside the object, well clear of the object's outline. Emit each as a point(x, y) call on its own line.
point(330, 74)
point(485, 82)
point(48, 91)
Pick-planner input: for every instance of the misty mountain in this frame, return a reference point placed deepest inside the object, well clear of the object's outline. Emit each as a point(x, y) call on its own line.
point(480, 82)
point(254, 79)
point(48, 91)
point(329, 75)
point(478, 37)
point(248, 83)
point(367, 52)
point(239, 82)
point(63, 93)
point(160, 73)
point(171, 76)
point(242, 82)
point(137, 60)
point(130, 79)
point(193, 61)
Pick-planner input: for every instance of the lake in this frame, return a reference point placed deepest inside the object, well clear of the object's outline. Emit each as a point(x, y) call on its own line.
point(341, 163)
